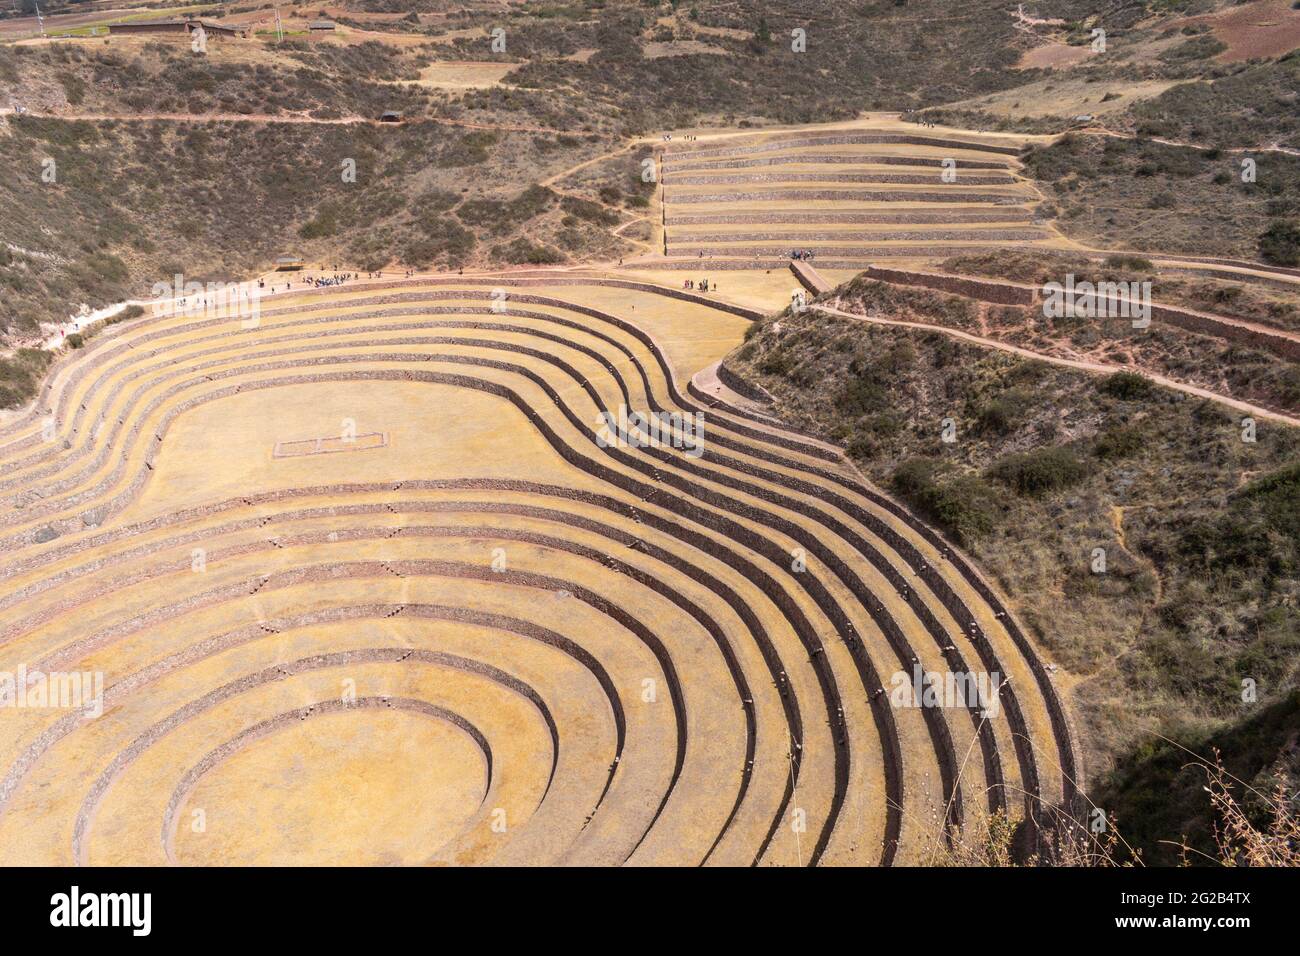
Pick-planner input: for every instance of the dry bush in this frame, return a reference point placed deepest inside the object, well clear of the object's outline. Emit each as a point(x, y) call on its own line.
point(1240, 838)
point(1063, 841)
point(1243, 836)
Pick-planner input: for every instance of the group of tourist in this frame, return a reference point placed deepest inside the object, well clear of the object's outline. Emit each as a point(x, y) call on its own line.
point(701, 286)
point(912, 117)
point(321, 282)
point(802, 255)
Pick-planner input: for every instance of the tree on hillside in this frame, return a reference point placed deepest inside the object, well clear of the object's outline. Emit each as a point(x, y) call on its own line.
point(1280, 244)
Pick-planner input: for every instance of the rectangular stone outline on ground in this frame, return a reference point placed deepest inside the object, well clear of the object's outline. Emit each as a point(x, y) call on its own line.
point(338, 444)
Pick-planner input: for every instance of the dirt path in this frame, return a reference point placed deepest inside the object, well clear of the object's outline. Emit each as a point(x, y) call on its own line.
point(1102, 131)
point(1025, 19)
point(1242, 267)
point(1117, 525)
point(1086, 366)
point(276, 118)
point(565, 173)
point(618, 231)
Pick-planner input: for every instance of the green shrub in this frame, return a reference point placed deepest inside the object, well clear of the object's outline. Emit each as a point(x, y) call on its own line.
point(1128, 386)
point(74, 87)
point(962, 505)
point(1199, 48)
point(1277, 495)
point(861, 446)
point(776, 362)
point(1130, 263)
point(1280, 244)
point(862, 396)
point(1000, 415)
point(468, 150)
point(885, 425)
point(1039, 471)
point(436, 200)
point(20, 375)
point(523, 251)
point(588, 210)
point(531, 202)
point(1119, 442)
point(440, 237)
point(487, 214)
point(324, 224)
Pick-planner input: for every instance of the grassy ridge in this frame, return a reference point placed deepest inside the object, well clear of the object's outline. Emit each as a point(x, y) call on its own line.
point(1144, 195)
point(133, 203)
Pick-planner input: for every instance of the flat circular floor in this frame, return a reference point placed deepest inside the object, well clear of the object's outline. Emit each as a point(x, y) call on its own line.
point(367, 787)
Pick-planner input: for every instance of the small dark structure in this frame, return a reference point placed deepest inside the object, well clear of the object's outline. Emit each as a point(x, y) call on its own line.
point(289, 264)
point(390, 116)
point(321, 26)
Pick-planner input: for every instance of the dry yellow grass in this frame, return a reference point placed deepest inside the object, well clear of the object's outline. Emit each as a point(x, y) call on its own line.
point(463, 75)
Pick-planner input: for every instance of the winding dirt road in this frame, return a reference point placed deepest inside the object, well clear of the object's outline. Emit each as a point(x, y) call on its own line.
point(276, 118)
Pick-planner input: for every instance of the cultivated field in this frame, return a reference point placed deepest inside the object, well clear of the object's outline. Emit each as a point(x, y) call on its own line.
point(368, 583)
point(850, 193)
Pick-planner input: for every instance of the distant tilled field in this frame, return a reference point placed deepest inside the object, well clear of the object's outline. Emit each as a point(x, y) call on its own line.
point(847, 195)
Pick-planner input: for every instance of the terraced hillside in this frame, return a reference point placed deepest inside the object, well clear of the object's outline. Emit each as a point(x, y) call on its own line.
point(851, 193)
point(367, 582)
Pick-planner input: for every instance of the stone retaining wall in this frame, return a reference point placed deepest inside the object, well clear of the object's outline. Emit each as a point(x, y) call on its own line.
point(741, 387)
point(911, 235)
point(843, 139)
point(954, 217)
point(1279, 344)
point(859, 253)
point(734, 260)
point(833, 159)
point(847, 195)
point(1239, 263)
point(809, 277)
point(1001, 293)
point(912, 179)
